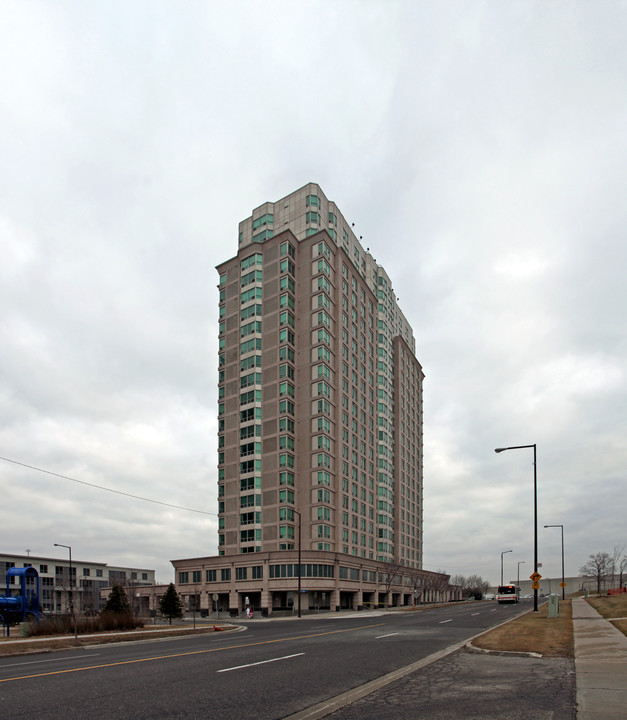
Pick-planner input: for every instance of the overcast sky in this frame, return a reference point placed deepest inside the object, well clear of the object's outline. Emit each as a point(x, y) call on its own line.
point(480, 150)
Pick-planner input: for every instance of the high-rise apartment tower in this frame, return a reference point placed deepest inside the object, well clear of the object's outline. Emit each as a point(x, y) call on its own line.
point(320, 392)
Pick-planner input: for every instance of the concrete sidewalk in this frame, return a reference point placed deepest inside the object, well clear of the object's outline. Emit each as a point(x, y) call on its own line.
point(600, 665)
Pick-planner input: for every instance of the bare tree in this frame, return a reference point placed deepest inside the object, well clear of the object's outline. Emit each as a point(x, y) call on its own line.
point(459, 580)
point(472, 586)
point(599, 566)
point(417, 585)
point(617, 562)
point(477, 586)
point(391, 575)
point(438, 583)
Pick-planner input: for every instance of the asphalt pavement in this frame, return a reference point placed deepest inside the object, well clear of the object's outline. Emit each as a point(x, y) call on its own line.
point(465, 683)
point(462, 682)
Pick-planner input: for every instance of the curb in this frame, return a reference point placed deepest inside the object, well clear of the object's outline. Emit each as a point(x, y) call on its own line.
point(326, 707)
point(24, 646)
point(469, 647)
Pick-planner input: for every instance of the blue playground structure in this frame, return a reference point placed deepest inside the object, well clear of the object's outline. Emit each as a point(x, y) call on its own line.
point(19, 608)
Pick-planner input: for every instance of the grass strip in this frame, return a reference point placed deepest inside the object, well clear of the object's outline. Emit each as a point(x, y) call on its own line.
point(534, 632)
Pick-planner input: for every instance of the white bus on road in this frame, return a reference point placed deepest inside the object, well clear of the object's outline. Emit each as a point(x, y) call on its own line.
point(508, 594)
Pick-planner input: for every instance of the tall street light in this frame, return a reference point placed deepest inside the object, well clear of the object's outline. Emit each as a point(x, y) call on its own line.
point(70, 594)
point(299, 565)
point(563, 581)
point(503, 553)
point(520, 562)
point(535, 513)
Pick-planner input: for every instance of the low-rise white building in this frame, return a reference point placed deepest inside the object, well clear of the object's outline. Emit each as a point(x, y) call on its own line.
point(83, 584)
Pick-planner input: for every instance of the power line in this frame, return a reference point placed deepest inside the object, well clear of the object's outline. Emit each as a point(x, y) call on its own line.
point(101, 487)
point(465, 567)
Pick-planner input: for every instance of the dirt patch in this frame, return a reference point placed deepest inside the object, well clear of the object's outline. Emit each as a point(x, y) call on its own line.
point(620, 625)
point(534, 632)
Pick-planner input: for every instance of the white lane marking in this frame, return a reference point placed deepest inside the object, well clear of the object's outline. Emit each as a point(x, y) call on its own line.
point(384, 636)
point(443, 621)
point(37, 662)
point(472, 614)
point(261, 662)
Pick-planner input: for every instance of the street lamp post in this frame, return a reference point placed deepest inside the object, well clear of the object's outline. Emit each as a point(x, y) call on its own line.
point(503, 553)
point(520, 562)
point(563, 582)
point(299, 565)
point(535, 513)
point(70, 593)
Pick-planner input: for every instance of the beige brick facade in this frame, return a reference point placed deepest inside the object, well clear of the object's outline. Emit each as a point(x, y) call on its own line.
point(320, 407)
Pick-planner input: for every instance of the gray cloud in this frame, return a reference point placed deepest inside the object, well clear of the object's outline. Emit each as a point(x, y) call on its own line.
point(480, 151)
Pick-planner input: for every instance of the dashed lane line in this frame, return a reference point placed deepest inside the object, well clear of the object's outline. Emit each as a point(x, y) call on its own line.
point(261, 662)
point(39, 662)
point(184, 654)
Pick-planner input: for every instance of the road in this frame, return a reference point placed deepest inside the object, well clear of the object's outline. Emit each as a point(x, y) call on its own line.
point(270, 670)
